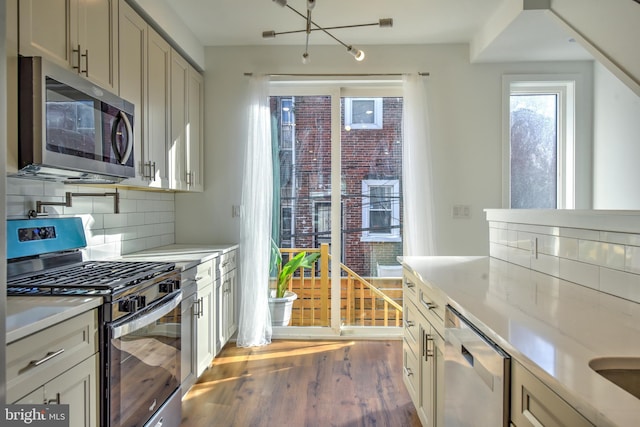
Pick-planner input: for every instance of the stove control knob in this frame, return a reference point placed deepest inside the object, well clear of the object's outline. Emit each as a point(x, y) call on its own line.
point(141, 301)
point(166, 287)
point(129, 305)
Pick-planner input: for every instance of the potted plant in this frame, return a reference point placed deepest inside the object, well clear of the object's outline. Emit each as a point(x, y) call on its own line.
point(280, 299)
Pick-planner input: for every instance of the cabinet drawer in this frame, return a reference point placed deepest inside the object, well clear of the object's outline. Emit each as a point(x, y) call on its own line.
point(411, 326)
point(205, 272)
point(534, 404)
point(410, 374)
point(228, 261)
point(36, 359)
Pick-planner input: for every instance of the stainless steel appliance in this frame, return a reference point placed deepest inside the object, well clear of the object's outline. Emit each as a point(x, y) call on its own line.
point(476, 373)
point(70, 129)
point(140, 315)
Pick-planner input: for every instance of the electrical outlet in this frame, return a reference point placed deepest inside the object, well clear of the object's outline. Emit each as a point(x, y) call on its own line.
point(461, 211)
point(534, 247)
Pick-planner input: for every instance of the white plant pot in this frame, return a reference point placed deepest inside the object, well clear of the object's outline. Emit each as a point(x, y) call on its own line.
point(280, 308)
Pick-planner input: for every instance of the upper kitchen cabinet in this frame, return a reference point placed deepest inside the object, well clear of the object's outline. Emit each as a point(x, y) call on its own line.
point(158, 110)
point(144, 81)
point(133, 83)
point(195, 131)
point(81, 35)
point(187, 106)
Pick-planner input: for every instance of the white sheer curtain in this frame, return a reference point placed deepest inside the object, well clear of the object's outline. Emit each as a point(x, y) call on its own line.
point(254, 325)
point(419, 237)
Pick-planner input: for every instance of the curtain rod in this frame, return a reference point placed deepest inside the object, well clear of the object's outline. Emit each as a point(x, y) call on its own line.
point(338, 75)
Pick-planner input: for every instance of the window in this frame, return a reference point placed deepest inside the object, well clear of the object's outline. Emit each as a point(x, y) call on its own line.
point(380, 210)
point(362, 113)
point(539, 144)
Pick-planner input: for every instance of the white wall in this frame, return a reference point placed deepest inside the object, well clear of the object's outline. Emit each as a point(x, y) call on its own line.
point(466, 131)
point(616, 143)
point(611, 27)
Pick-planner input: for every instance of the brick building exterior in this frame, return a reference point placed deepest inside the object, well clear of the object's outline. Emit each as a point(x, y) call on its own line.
point(371, 177)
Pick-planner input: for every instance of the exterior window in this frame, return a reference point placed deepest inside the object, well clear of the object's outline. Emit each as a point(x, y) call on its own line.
point(539, 144)
point(380, 210)
point(362, 113)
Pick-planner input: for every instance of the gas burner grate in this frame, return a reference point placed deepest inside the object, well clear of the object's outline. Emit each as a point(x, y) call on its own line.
point(96, 275)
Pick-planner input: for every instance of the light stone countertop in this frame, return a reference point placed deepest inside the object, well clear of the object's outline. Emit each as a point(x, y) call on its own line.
point(27, 315)
point(184, 255)
point(553, 327)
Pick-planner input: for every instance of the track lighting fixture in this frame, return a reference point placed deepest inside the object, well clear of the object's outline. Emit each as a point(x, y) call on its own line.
point(312, 26)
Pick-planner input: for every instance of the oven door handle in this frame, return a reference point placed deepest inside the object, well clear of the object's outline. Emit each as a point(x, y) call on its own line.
point(152, 314)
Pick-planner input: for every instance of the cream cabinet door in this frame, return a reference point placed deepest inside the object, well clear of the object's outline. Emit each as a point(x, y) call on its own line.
point(158, 96)
point(195, 131)
point(133, 84)
point(178, 142)
point(78, 388)
point(80, 35)
point(95, 40)
point(205, 326)
point(44, 30)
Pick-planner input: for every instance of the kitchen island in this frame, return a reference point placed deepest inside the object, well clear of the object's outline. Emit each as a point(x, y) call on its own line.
point(550, 326)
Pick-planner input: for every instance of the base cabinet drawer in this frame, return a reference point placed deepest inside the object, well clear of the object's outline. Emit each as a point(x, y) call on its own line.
point(410, 373)
point(533, 404)
point(38, 358)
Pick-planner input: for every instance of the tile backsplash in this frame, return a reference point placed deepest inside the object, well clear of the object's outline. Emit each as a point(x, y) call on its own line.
point(146, 219)
point(608, 261)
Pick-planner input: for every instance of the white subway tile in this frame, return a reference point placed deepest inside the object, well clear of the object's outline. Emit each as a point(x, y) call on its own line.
point(512, 238)
point(619, 283)
point(591, 252)
point(549, 245)
point(568, 248)
point(112, 220)
point(632, 259)
point(579, 233)
point(519, 257)
point(579, 272)
point(546, 264)
point(24, 187)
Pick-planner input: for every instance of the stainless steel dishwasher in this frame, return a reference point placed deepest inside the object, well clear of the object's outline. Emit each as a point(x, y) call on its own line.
point(476, 375)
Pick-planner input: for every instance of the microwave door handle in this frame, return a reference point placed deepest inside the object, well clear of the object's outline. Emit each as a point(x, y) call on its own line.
point(122, 157)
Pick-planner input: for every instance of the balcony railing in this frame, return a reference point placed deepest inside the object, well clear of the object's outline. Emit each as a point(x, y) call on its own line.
point(361, 303)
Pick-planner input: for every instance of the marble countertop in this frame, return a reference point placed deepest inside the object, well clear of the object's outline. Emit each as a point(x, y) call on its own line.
point(553, 327)
point(27, 315)
point(184, 255)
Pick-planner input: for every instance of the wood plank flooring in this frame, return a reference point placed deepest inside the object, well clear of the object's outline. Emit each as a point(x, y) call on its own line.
point(303, 383)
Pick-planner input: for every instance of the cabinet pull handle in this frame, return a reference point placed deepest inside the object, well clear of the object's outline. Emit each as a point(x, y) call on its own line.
point(153, 174)
point(86, 62)
point(407, 371)
point(429, 305)
point(48, 357)
point(410, 285)
point(428, 352)
point(78, 52)
point(55, 401)
point(408, 324)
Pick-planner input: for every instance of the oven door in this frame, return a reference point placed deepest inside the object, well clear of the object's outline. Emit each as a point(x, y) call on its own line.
point(144, 362)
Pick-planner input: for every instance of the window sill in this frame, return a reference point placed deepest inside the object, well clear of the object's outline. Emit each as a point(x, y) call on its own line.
point(381, 239)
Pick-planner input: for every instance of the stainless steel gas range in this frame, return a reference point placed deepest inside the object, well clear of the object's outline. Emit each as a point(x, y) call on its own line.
point(140, 337)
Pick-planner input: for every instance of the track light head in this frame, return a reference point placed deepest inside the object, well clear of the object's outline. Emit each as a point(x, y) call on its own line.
point(385, 22)
point(282, 3)
point(269, 34)
point(305, 58)
point(310, 4)
point(357, 53)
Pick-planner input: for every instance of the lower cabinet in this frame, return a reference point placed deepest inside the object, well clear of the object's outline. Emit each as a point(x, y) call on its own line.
point(226, 291)
point(423, 349)
point(77, 387)
point(189, 334)
point(533, 404)
point(58, 365)
point(205, 322)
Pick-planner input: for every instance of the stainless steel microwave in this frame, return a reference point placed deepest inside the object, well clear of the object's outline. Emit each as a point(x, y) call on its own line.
point(69, 129)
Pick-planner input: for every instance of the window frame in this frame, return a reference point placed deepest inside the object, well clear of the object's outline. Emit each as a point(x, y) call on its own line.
point(348, 113)
point(565, 88)
point(394, 234)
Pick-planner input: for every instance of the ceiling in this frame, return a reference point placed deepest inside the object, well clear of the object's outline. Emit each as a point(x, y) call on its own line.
point(241, 23)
